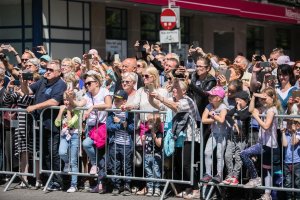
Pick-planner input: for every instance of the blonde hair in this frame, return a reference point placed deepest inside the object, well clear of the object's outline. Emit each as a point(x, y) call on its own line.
point(130, 75)
point(144, 64)
point(70, 61)
point(272, 93)
point(153, 71)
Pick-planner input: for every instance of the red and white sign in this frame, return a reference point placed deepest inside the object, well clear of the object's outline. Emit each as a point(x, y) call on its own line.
point(168, 19)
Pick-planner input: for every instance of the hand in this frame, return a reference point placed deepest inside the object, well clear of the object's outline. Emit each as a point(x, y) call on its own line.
point(148, 48)
point(222, 80)
point(124, 124)
point(30, 109)
point(86, 114)
point(30, 52)
point(264, 58)
point(116, 120)
point(62, 107)
point(212, 114)
point(11, 49)
point(255, 112)
point(256, 68)
point(41, 49)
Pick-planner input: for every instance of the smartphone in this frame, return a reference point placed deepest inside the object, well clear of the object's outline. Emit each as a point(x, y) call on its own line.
point(270, 78)
point(284, 124)
point(17, 82)
point(226, 73)
point(27, 76)
point(296, 94)
point(89, 56)
point(195, 44)
point(264, 64)
point(116, 57)
point(182, 63)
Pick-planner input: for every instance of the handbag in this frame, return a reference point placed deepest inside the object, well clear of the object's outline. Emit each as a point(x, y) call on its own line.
point(98, 133)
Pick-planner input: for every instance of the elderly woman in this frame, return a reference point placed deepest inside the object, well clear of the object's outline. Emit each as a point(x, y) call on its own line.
point(32, 65)
point(97, 99)
point(180, 104)
point(128, 82)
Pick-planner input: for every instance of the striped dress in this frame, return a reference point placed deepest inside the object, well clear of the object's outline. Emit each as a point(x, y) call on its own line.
point(22, 135)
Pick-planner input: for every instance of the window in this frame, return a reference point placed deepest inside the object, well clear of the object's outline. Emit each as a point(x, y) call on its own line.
point(185, 30)
point(116, 24)
point(283, 39)
point(255, 41)
point(150, 26)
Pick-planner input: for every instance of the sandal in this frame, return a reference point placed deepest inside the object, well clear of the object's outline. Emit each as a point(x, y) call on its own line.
point(142, 191)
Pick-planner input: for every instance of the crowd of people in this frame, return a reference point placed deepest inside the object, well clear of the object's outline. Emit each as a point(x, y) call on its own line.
point(229, 98)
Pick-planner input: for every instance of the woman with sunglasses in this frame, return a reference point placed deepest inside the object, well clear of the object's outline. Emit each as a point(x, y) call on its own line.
point(128, 82)
point(296, 71)
point(97, 99)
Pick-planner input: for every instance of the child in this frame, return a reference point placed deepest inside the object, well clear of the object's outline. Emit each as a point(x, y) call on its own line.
point(291, 140)
point(153, 140)
point(267, 141)
point(214, 114)
point(120, 128)
point(68, 120)
point(239, 119)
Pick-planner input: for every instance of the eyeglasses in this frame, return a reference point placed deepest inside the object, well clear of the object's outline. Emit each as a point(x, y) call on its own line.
point(146, 76)
point(127, 82)
point(65, 65)
point(89, 83)
point(49, 70)
point(24, 59)
point(201, 66)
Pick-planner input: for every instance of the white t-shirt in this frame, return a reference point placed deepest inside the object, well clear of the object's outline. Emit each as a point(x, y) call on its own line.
point(98, 99)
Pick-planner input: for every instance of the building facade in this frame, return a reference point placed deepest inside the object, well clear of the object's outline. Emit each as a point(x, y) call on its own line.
point(70, 28)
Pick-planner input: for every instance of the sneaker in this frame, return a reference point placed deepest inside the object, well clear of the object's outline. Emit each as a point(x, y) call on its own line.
point(150, 192)
point(66, 168)
point(127, 191)
point(234, 181)
point(253, 183)
point(217, 179)
point(38, 185)
point(115, 192)
point(265, 197)
point(22, 185)
point(157, 192)
point(207, 178)
point(72, 189)
point(94, 170)
point(53, 186)
point(228, 180)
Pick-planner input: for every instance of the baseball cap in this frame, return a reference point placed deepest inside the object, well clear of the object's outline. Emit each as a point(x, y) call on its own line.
point(284, 60)
point(242, 95)
point(46, 58)
point(121, 94)
point(217, 91)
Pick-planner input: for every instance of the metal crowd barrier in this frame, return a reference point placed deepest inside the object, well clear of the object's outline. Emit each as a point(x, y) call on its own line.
point(17, 143)
point(207, 189)
point(170, 179)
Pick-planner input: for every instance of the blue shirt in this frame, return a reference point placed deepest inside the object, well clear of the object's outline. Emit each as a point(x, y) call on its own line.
point(292, 152)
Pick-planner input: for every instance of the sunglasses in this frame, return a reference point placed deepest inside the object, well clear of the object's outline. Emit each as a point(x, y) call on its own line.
point(49, 70)
point(89, 83)
point(297, 68)
point(126, 82)
point(24, 60)
point(271, 59)
point(146, 76)
point(201, 66)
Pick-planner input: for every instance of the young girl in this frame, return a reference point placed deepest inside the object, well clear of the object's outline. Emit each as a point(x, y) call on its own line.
point(267, 141)
point(68, 120)
point(214, 114)
point(153, 140)
point(291, 140)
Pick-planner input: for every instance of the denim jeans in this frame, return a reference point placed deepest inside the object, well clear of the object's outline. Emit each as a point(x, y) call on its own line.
point(89, 147)
point(153, 169)
point(50, 151)
point(292, 178)
point(245, 156)
point(70, 147)
point(120, 158)
point(219, 141)
point(234, 148)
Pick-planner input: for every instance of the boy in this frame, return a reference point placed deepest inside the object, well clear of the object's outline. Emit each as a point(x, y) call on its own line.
point(120, 128)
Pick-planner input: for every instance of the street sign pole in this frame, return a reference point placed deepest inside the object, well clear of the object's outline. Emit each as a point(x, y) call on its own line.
point(170, 45)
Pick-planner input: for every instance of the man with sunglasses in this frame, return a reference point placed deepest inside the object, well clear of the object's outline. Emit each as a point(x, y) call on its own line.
point(48, 92)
